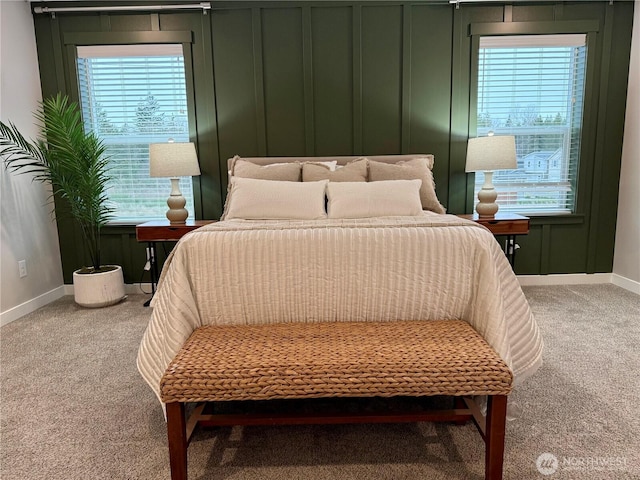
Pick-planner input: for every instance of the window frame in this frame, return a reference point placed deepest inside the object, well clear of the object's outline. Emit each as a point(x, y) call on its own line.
point(590, 29)
point(185, 38)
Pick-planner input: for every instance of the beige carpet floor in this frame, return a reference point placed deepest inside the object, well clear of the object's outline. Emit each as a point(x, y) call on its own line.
point(73, 406)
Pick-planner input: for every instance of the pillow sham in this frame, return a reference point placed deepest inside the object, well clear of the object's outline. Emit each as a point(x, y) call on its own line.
point(255, 199)
point(374, 199)
point(419, 168)
point(354, 171)
point(289, 172)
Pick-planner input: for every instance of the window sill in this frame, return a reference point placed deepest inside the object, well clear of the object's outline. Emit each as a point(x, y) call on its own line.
point(132, 222)
point(556, 219)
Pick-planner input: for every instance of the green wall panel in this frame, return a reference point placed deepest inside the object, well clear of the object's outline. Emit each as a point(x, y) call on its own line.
point(381, 79)
point(608, 174)
point(527, 13)
point(568, 248)
point(283, 81)
point(585, 10)
point(79, 23)
point(332, 62)
point(128, 23)
point(233, 55)
point(176, 22)
point(481, 14)
point(528, 255)
point(46, 60)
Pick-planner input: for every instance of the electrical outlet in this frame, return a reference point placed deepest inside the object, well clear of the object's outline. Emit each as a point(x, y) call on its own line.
point(22, 268)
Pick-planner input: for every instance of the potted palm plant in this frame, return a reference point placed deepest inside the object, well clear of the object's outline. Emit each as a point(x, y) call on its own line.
point(73, 161)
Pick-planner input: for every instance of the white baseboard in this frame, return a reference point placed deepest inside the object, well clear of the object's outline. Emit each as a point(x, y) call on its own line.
point(129, 289)
point(31, 305)
point(625, 283)
point(564, 279)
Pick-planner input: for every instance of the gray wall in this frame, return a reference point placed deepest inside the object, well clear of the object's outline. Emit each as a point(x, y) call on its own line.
point(27, 229)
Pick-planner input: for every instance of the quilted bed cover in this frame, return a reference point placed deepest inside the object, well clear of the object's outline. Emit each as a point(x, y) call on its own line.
point(383, 269)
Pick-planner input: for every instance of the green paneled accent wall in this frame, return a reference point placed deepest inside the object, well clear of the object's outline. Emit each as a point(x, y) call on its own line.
point(358, 78)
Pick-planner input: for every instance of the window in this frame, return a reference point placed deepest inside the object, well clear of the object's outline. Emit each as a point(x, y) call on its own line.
point(532, 87)
point(131, 96)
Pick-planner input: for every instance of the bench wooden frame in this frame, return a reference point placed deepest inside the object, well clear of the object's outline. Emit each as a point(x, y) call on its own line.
point(194, 361)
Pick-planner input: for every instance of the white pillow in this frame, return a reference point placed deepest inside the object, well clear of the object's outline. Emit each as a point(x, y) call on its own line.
point(333, 164)
point(254, 199)
point(355, 171)
point(374, 199)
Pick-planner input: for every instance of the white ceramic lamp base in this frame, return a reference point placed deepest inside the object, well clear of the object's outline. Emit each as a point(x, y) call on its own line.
point(176, 202)
point(487, 206)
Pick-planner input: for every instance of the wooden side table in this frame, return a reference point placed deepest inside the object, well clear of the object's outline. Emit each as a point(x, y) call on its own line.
point(508, 224)
point(163, 231)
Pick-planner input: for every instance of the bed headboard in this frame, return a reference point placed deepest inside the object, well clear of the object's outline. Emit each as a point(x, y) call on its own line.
point(342, 160)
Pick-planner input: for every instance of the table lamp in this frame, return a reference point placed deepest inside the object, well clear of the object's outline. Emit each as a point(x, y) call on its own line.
point(488, 154)
point(174, 160)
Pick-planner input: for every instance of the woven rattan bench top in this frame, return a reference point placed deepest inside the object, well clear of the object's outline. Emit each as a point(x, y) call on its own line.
point(342, 359)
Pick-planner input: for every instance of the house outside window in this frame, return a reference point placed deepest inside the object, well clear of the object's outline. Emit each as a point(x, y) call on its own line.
point(131, 96)
point(532, 87)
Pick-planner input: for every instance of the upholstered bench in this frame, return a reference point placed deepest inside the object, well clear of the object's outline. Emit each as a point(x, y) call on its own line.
point(341, 359)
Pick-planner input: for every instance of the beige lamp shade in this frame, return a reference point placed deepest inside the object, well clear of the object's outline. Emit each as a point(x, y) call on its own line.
point(491, 153)
point(173, 160)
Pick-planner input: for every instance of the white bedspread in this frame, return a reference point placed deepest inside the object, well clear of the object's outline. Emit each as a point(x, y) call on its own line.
point(385, 269)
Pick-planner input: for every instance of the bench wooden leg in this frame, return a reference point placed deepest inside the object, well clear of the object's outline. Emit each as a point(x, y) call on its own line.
point(177, 435)
point(494, 436)
point(459, 403)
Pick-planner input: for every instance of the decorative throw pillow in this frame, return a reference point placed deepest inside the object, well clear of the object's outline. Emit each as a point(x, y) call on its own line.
point(354, 171)
point(288, 172)
point(254, 199)
point(374, 199)
point(419, 168)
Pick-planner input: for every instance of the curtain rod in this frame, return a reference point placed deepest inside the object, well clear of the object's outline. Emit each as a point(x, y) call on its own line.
point(194, 6)
point(458, 2)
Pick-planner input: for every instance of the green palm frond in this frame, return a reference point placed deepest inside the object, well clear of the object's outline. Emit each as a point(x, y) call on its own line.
point(20, 155)
point(72, 160)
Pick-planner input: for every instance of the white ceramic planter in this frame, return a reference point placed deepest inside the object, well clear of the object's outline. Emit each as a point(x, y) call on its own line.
point(96, 290)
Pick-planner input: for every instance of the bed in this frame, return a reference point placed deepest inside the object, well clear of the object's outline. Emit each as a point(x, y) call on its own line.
point(295, 263)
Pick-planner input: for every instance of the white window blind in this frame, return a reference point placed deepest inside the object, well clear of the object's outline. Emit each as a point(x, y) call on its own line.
point(532, 87)
point(131, 96)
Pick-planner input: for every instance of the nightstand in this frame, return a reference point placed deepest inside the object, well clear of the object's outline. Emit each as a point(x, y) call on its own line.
point(163, 231)
point(508, 224)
